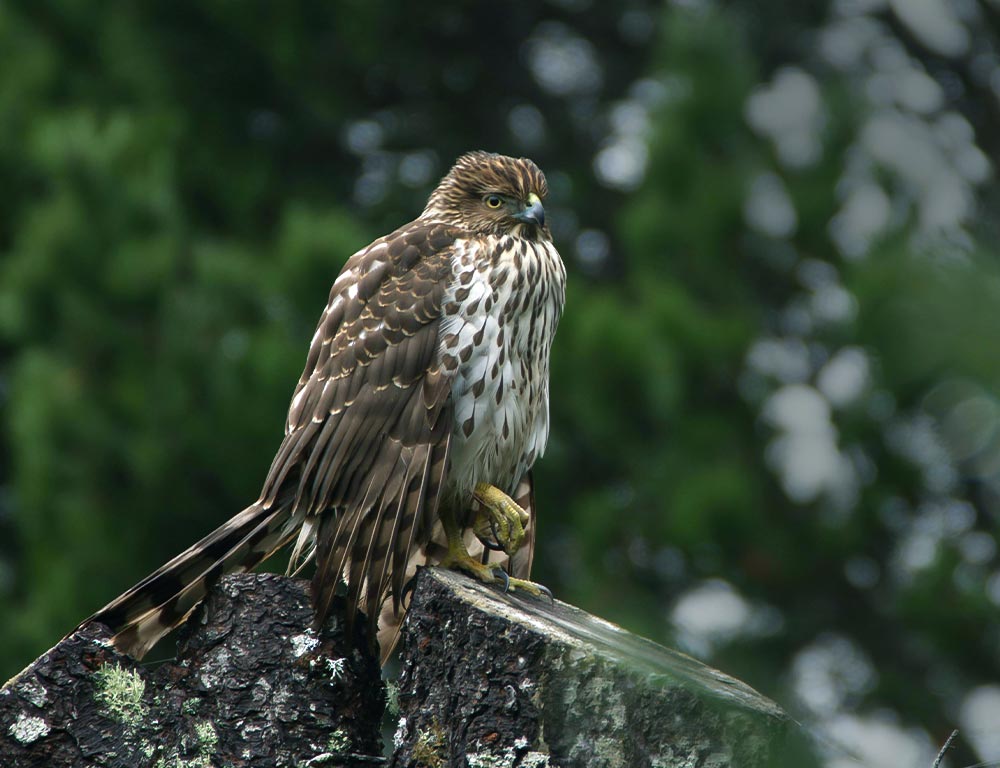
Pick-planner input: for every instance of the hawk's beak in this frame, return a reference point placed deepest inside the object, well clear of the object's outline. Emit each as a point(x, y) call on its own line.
point(534, 213)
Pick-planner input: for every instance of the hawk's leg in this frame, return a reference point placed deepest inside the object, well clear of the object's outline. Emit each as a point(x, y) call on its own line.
point(458, 558)
point(500, 515)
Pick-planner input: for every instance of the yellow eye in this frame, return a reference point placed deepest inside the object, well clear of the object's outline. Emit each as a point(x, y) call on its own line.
point(493, 201)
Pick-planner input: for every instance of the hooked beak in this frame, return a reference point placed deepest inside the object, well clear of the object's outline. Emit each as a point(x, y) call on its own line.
point(534, 213)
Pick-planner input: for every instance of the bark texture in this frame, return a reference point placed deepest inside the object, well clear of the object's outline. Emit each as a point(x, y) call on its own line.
point(252, 685)
point(488, 680)
point(500, 680)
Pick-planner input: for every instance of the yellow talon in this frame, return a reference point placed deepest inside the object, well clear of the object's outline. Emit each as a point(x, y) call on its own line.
point(461, 560)
point(500, 516)
point(458, 557)
point(528, 586)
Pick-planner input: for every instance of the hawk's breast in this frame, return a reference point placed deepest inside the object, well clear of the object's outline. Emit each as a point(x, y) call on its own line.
point(499, 316)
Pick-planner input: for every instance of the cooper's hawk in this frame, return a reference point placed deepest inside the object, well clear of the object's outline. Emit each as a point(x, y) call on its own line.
point(421, 410)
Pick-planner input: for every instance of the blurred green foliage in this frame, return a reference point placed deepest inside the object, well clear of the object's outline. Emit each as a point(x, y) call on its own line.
point(183, 182)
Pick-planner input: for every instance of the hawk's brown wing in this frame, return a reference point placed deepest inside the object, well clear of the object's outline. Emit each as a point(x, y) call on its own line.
point(366, 440)
point(367, 435)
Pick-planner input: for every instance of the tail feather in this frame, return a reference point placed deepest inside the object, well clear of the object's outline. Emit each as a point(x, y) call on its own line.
point(375, 559)
point(162, 601)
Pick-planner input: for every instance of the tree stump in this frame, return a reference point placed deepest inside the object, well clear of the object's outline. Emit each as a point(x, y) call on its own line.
point(489, 680)
point(500, 680)
point(252, 685)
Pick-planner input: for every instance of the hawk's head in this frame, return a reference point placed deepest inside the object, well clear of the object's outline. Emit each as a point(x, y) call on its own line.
point(492, 194)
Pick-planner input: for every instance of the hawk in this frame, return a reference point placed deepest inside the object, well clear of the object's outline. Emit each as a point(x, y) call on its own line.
point(415, 424)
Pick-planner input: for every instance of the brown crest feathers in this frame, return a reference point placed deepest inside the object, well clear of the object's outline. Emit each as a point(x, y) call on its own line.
point(476, 174)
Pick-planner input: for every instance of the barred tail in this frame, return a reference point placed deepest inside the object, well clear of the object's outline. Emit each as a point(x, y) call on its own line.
point(162, 601)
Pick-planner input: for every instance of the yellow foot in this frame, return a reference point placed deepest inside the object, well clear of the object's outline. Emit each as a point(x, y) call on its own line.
point(500, 516)
point(531, 587)
point(460, 560)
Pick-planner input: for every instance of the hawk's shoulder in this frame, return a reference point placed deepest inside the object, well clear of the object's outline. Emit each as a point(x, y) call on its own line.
point(422, 246)
point(371, 359)
point(386, 293)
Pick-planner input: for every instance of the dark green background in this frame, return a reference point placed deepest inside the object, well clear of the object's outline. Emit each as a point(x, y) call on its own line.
point(182, 181)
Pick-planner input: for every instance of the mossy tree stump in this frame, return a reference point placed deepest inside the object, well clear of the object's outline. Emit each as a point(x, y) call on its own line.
point(252, 685)
point(489, 680)
point(500, 680)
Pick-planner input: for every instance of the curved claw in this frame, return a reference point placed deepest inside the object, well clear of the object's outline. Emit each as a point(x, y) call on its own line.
point(506, 578)
point(512, 584)
point(506, 519)
point(488, 543)
point(495, 545)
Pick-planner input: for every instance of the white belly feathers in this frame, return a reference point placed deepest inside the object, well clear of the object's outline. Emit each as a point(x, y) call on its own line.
point(500, 315)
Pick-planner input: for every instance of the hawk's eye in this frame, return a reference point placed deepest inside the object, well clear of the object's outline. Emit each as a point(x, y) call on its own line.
point(493, 201)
